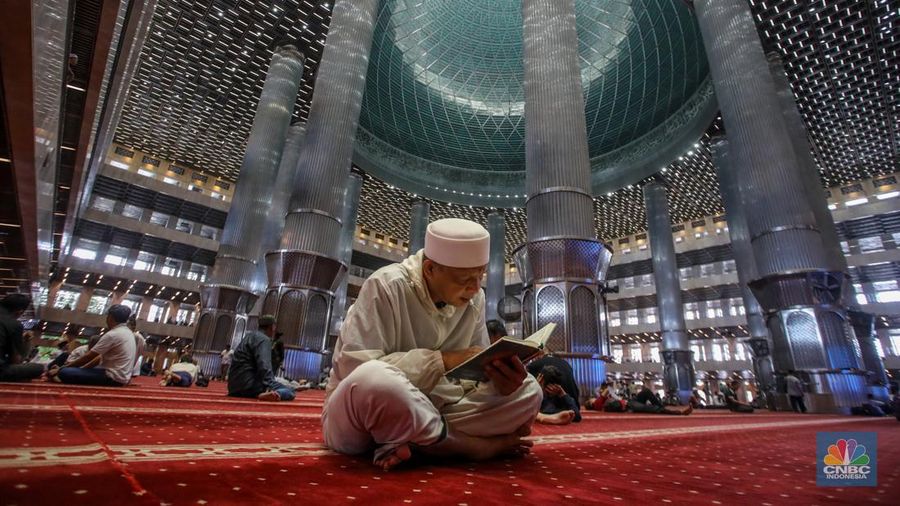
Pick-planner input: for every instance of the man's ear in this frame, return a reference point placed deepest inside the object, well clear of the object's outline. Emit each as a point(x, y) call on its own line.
point(428, 268)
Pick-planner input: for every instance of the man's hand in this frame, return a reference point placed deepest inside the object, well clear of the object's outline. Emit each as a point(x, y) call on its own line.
point(507, 374)
point(554, 391)
point(454, 358)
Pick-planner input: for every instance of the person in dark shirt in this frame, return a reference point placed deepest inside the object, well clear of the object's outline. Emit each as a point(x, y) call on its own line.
point(13, 345)
point(646, 401)
point(567, 381)
point(251, 373)
point(558, 407)
point(729, 391)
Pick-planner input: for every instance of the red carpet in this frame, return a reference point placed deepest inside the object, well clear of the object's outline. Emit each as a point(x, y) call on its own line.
point(145, 444)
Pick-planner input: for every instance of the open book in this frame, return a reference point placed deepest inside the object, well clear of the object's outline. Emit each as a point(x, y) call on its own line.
point(526, 349)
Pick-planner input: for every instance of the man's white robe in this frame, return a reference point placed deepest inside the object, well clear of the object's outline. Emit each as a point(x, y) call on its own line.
point(387, 385)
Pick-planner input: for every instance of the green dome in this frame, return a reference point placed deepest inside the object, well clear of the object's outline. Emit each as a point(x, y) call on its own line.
point(443, 109)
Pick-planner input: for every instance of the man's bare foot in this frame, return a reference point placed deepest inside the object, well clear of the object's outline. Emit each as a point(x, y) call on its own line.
point(462, 445)
point(394, 458)
point(561, 418)
point(270, 396)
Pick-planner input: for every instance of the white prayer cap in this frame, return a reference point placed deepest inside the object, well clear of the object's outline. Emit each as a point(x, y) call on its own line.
point(453, 242)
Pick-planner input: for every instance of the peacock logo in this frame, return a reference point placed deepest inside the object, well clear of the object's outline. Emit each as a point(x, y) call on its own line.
point(846, 452)
point(847, 459)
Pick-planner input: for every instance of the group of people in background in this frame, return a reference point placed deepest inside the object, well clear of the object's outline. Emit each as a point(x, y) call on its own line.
point(114, 357)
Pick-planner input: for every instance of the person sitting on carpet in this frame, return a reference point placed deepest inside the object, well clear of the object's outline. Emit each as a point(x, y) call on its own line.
point(411, 323)
point(14, 346)
point(111, 361)
point(147, 368)
point(251, 373)
point(65, 359)
point(646, 401)
point(607, 400)
point(696, 401)
point(180, 374)
point(729, 391)
point(566, 379)
point(139, 343)
point(558, 407)
point(59, 353)
point(872, 407)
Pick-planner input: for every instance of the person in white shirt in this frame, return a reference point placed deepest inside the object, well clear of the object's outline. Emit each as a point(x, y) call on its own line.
point(181, 374)
point(411, 323)
point(227, 354)
point(116, 351)
point(139, 343)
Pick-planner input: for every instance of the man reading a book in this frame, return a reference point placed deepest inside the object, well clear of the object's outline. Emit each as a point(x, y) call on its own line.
point(411, 323)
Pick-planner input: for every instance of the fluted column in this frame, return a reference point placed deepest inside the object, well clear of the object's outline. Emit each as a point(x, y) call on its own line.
point(678, 368)
point(345, 250)
point(558, 169)
point(496, 272)
point(795, 284)
point(282, 189)
point(242, 237)
point(563, 263)
point(418, 223)
point(807, 167)
point(304, 273)
point(313, 221)
point(235, 282)
point(760, 342)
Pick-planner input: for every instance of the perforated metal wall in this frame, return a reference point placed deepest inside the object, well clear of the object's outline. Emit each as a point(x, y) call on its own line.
point(204, 332)
point(291, 310)
point(313, 334)
point(805, 344)
point(584, 330)
point(837, 346)
point(551, 308)
point(240, 326)
point(270, 303)
point(223, 332)
point(528, 312)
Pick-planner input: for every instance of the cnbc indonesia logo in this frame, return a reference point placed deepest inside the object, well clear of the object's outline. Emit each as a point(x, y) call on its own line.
point(846, 460)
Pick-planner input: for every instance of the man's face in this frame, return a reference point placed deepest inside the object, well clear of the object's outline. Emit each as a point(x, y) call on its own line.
point(455, 286)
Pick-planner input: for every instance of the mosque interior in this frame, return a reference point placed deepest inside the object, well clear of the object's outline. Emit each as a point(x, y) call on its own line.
point(727, 207)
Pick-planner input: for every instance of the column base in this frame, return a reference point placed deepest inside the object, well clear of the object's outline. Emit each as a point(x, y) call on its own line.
point(304, 364)
point(589, 373)
point(678, 374)
point(218, 327)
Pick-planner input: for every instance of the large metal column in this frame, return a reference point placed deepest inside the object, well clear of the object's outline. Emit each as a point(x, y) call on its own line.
point(304, 274)
point(282, 189)
point(496, 272)
point(235, 282)
point(563, 263)
point(807, 167)
point(345, 250)
point(760, 343)
point(678, 368)
point(418, 223)
point(799, 292)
